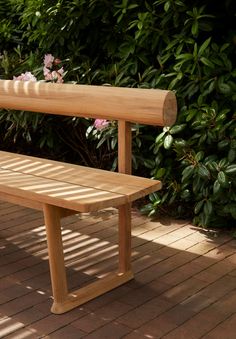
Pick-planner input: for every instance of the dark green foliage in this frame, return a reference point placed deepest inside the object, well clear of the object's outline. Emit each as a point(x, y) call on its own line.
point(10, 33)
point(185, 46)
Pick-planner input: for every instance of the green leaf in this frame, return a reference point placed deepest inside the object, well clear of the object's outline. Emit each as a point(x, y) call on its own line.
point(222, 163)
point(146, 209)
point(223, 143)
point(223, 47)
point(160, 173)
point(207, 62)
point(231, 169)
point(180, 143)
point(159, 137)
point(210, 88)
point(154, 197)
point(177, 128)
point(132, 6)
point(194, 28)
point(187, 172)
point(231, 155)
point(221, 178)
point(199, 156)
point(167, 6)
point(173, 83)
point(204, 46)
point(208, 207)
point(203, 172)
point(149, 163)
point(191, 113)
point(164, 198)
point(216, 187)
point(185, 194)
point(198, 206)
point(185, 56)
point(197, 185)
point(113, 143)
point(168, 141)
point(224, 88)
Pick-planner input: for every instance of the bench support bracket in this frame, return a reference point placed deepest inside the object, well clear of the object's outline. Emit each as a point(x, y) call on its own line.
point(65, 301)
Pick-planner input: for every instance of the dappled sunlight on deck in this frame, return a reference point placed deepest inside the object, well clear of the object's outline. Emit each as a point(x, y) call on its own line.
point(182, 275)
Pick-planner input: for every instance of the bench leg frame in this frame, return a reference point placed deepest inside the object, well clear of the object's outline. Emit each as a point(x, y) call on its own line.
point(63, 299)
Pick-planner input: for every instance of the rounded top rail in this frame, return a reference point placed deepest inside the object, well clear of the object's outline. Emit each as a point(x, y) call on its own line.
point(145, 106)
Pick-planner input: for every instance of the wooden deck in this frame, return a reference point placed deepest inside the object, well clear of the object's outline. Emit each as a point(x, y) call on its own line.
point(184, 287)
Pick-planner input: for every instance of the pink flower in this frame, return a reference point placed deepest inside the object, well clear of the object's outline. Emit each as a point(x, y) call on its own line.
point(46, 71)
point(100, 124)
point(48, 60)
point(27, 76)
point(48, 76)
point(56, 76)
point(61, 70)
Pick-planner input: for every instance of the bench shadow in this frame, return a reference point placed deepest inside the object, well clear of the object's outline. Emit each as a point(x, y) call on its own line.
point(160, 248)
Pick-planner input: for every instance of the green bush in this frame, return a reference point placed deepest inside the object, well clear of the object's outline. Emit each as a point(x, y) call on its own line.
point(185, 46)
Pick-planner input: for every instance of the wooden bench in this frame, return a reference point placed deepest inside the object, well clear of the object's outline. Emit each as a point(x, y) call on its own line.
point(60, 189)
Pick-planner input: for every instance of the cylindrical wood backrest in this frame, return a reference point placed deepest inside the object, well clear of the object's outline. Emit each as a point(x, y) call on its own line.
point(144, 106)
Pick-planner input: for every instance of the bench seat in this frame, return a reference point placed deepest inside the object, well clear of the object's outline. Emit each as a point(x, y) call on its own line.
point(68, 186)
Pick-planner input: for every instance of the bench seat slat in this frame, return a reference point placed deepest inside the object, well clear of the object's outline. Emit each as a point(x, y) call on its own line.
point(74, 173)
point(70, 186)
point(79, 198)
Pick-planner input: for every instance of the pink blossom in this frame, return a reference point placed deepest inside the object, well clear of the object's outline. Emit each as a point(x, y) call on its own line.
point(46, 71)
point(48, 76)
point(48, 60)
point(61, 70)
point(27, 76)
point(57, 76)
point(100, 124)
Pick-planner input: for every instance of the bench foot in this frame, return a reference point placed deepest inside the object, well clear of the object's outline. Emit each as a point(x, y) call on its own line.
point(91, 291)
point(63, 299)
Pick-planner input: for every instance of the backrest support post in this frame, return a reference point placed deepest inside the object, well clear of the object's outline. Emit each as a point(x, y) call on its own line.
point(124, 147)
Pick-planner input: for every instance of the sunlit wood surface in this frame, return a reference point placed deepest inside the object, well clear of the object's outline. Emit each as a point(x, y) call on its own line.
point(75, 187)
point(139, 105)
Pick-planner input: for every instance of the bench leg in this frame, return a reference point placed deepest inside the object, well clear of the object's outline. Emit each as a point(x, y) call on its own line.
point(55, 253)
point(124, 238)
point(64, 301)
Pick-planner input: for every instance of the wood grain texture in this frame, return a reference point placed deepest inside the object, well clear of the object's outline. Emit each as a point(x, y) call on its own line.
point(124, 238)
point(55, 252)
point(70, 186)
point(124, 147)
point(146, 106)
point(91, 291)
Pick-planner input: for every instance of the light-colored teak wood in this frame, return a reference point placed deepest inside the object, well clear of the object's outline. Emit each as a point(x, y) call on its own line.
point(124, 221)
point(147, 106)
point(55, 253)
point(68, 186)
point(91, 291)
point(60, 189)
point(124, 147)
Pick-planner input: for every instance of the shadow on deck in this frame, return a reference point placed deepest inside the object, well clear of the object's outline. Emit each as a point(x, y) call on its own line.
point(184, 286)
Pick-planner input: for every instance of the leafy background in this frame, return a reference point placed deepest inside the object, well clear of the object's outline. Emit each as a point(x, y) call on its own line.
point(185, 46)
